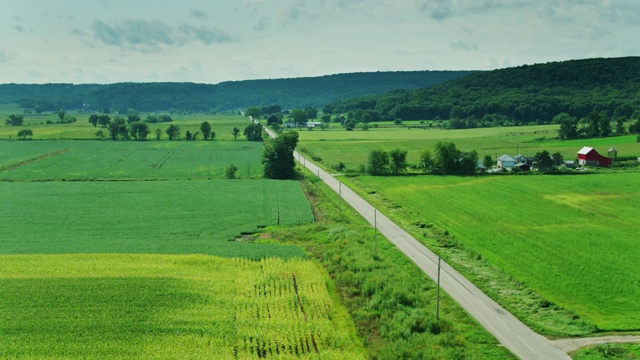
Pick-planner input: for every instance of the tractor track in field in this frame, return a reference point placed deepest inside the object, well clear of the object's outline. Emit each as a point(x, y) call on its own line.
point(32, 160)
point(575, 344)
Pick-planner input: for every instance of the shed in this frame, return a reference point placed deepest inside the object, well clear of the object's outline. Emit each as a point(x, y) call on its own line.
point(523, 166)
point(506, 162)
point(589, 156)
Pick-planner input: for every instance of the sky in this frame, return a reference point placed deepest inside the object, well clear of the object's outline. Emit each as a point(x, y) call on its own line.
point(109, 41)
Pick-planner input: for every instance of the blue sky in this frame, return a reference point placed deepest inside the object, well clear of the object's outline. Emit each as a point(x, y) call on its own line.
point(105, 41)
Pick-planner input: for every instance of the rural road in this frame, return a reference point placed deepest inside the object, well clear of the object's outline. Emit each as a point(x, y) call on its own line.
point(510, 332)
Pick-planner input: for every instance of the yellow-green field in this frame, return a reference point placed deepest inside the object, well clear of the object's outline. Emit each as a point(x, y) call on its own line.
point(169, 306)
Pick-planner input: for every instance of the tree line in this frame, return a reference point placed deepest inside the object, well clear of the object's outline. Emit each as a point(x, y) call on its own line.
point(225, 96)
point(520, 95)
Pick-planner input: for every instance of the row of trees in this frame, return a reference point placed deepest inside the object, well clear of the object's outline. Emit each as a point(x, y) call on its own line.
point(120, 129)
point(446, 159)
point(595, 124)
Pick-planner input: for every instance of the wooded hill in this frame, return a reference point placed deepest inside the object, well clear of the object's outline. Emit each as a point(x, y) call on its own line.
point(524, 94)
point(225, 96)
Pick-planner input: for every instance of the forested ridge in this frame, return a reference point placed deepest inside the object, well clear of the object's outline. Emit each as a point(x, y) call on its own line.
point(225, 96)
point(524, 94)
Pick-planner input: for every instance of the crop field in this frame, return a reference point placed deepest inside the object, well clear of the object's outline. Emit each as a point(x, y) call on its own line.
point(171, 217)
point(572, 239)
point(127, 160)
point(353, 147)
point(169, 306)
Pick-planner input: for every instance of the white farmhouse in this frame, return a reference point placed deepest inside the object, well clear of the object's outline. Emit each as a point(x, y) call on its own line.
point(506, 162)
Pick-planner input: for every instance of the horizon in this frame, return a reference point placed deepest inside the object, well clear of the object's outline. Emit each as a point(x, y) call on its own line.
point(196, 41)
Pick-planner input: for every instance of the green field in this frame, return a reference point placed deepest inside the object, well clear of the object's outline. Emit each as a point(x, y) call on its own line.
point(169, 307)
point(572, 239)
point(127, 160)
point(352, 147)
point(170, 217)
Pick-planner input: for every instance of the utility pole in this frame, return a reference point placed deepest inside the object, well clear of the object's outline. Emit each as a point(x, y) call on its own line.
point(340, 199)
point(375, 231)
point(438, 293)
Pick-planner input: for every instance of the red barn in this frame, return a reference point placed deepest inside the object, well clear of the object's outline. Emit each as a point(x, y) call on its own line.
point(589, 156)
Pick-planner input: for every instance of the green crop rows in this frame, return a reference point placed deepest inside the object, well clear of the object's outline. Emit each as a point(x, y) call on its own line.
point(148, 217)
point(168, 306)
point(127, 160)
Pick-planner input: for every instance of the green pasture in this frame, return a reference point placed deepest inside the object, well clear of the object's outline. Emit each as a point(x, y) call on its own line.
point(221, 124)
point(572, 239)
point(169, 217)
point(127, 160)
point(352, 147)
point(105, 306)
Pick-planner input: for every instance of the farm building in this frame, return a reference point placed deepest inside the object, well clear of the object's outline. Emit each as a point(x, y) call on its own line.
point(523, 166)
point(313, 124)
point(589, 156)
point(506, 162)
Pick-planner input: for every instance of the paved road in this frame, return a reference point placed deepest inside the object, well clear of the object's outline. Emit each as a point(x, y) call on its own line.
point(510, 332)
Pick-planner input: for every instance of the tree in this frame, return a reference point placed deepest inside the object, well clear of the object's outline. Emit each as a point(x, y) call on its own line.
point(205, 129)
point(173, 131)
point(118, 127)
point(605, 126)
point(378, 162)
point(165, 118)
point(15, 120)
point(131, 118)
point(568, 126)
point(93, 120)
point(253, 132)
point(235, 132)
point(274, 119)
point(253, 111)
point(158, 133)
point(543, 160)
point(230, 171)
point(99, 134)
point(104, 120)
point(212, 135)
point(467, 163)
point(620, 130)
point(446, 157)
point(139, 130)
point(426, 160)
point(278, 156)
point(557, 158)
point(312, 112)
point(188, 136)
point(593, 120)
point(487, 161)
point(363, 126)
point(398, 160)
point(61, 115)
point(24, 133)
point(299, 116)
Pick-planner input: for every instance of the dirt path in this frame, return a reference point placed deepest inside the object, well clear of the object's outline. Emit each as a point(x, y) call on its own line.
point(571, 345)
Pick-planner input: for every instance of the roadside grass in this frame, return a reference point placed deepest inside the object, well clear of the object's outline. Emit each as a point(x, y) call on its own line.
point(352, 147)
point(127, 160)
point(608, 352)
point(169, 306)
point(391, 301)
point(178, 217)
point(555, 250)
